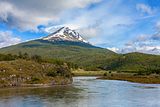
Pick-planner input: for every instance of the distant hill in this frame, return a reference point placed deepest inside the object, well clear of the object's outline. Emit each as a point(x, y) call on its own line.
point(134, 62)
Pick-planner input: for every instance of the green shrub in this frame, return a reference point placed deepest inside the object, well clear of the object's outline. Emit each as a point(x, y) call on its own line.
point(105, 74)
point(35, 80)
point(51, 73)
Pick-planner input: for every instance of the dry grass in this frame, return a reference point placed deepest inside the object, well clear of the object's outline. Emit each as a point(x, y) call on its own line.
point(18, 72)
point(81, 72)
point(151, 79)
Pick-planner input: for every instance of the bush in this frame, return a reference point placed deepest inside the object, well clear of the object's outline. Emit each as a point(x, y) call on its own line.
point(36, 58)
point(7, 57)
point(51, 73)
point(140, 73)
point(35, 80)
point(61, 70)
point(105, 74)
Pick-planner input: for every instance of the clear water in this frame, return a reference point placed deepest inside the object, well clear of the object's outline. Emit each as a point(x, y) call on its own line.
point(84, 92)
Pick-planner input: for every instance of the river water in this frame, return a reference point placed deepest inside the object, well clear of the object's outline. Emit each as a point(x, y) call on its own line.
point(84, 92)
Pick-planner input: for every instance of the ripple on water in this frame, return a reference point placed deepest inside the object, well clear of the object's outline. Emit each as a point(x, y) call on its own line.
point(85, 92)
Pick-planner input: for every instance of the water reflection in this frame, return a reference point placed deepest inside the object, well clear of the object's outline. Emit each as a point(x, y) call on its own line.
point(39, 97)
point(84, 92)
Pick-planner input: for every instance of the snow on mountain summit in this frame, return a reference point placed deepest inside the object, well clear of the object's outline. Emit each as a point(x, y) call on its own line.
point(65, 34)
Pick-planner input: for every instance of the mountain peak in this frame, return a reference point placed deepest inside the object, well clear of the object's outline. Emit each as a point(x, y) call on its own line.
point(65, 34)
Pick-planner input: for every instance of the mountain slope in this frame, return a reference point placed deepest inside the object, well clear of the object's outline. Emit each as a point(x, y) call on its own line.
point(80, 53)
point(135, 62)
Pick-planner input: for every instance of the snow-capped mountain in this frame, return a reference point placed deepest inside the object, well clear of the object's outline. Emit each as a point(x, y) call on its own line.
point(65, 34)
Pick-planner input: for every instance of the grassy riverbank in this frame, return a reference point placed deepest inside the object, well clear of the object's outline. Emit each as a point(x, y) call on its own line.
point(22, 72)
point(108, 75)
point(81, 72)
point(131, 77)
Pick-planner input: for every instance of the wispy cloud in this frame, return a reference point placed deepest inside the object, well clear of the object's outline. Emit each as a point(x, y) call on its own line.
point(146, 9)
point(99, 21)
point(27, 15)
point(145, 43)
point(7, 39)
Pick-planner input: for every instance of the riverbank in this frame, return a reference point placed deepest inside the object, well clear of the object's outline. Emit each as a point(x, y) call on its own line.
point(113, 75)
point(131, 77)
point(20, 72)
point(49, 82)
point(81, 72)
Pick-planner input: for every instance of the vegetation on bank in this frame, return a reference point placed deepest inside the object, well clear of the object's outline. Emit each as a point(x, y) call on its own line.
point(139, 63)
point(22, 69)
point(81, 72)
point(132, 77)
point(114, 75)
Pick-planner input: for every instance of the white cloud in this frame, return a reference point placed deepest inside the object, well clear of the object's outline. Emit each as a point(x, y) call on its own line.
point(141, 38)
point(144, 8)
point(142, 43)
point(7, 39)
point(114, 49)
point(142, 49)
point(98, 22)
point(15, 17)
point(89, 32)
point(157, 26)
point(156, 36)
point(28, 14)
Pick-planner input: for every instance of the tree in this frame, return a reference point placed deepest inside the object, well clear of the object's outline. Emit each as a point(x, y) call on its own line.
point(36, 58)
point(20, 55)
point(25, 56)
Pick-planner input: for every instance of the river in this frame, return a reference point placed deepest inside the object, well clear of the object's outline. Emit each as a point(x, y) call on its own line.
point(84, 92)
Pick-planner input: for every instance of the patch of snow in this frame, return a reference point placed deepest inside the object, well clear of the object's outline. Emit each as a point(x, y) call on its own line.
point(65, 34)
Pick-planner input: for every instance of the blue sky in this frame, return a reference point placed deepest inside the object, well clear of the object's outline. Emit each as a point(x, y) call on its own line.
point(120, 25)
